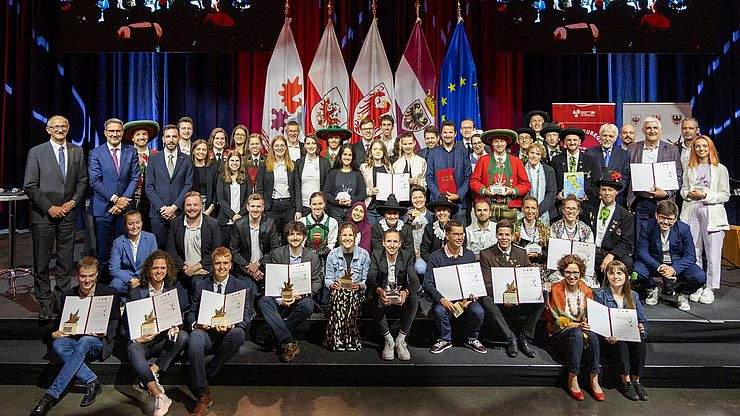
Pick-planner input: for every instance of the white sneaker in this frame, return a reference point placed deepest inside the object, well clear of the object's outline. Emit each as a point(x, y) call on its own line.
point(156, 380)
point(388, 350)
point(652, 297)
point(402, 351)
point(707, 296)
point(694, 297)
point(683, 303)
point(162, 404)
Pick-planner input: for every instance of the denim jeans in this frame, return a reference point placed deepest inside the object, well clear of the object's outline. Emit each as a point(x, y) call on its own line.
point(73, 353)
point(572, 340)
point(473, 317)
point(297, 313)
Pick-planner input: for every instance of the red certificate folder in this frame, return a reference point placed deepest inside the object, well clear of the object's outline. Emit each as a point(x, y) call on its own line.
point(446, 181)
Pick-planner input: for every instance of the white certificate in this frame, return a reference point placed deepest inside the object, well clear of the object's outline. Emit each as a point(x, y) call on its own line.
point(99, 314)
point(460, 281)
point(613, 322)
point(647, 176)
point(557, 248)
point(161, 311)
point(167, 309)
point(397, 184)
point(276, 275)
point(74, 316)
point(225, 309)
point(234, 306)
point(137, 313)
point(525, 280)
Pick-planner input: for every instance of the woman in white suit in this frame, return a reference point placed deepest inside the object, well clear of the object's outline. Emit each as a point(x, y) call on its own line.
point(706, 188)
point(409, 162)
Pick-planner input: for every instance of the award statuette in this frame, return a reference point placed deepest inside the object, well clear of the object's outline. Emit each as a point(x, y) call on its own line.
point(149, 327)
point(533, 248)
point(497, 189)
point(70, 325)
point(510, 296)
point(220, 317)
point(345, 281)
point(459, 307)
point(287, 293)
point(393, 295)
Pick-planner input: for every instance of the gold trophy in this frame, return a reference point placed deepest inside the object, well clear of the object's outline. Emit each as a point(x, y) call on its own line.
point(345, 281)
point(220, 317)
point(287, 293)
point(459, 307)
point(393, 295)
point(70, 326)
point(510, 295)
point(149, 326)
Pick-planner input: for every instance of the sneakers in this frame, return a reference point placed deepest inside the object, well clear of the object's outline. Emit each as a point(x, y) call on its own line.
point(156, 380)
point(162, 404)
point(440, 345)
point(388, 353)
point(683, 303)
point(707, 296)
point(640, 389)
point(628, 390)
point(402, 351)
point(476, 346)
point(694, 297)
point(652, 296)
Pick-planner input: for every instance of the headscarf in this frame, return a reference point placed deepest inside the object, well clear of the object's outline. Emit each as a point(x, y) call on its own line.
point(363, 227)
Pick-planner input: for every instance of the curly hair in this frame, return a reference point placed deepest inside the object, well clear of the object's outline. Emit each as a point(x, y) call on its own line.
point(146, 269)
point(569, 259)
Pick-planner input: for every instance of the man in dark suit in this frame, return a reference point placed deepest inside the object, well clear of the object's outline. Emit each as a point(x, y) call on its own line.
point(551, 135)
point(283, 318)
point(114, 174)
point(169, 176)
point(652, 150)
point(55, 182)
point(296, 149)
point(505, 254)
point(612, 158)
point(392, 272)
point(74, 350)
point(431, 139)
point(665, 249)
point(573, 160)
point(223, 341)
point(613, 226)
point(360, 149)
point(191, 240)
point(391, 212)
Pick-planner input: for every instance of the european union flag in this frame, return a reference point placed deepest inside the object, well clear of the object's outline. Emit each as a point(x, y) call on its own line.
point(458, 83)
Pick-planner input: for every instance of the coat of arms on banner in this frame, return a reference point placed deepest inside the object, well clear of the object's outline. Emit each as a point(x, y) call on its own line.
point(677, 118)
point(329, 110)
point(635, 118)
point(418, 115)
point(373, 105)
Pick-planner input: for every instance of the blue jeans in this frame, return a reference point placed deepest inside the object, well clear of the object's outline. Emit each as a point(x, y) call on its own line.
point(460, 216)
point(73, 353)
point(297, 313)
point(421, 267)
point(687, 282)
point(572, 339)
point(473, 317)
point(373, 217)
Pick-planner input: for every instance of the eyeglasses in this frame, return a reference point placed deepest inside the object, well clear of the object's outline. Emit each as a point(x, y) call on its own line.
point(571, 208)
point(571, 273)
point(368, 129)
point(61, 128)
point(663, 218)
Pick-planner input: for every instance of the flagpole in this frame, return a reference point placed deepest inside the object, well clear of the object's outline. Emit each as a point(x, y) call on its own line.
point(329, 7)
point(375, 10)
point(417, 5)
point(287, 7)
point(459, 12)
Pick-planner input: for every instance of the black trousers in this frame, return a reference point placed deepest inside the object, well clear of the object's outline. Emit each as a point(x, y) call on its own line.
point(44, 236)
point(223, 346)
point(282, 212)
point(531, 312)
point(408, 312)
point(630, 357)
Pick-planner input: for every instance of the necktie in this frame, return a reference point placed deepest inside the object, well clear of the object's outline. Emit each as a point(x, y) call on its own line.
point(506, 256)
point(603, 214)
point(62, 164)
point(218, 157)
point(115, 159)
point(607, 154)
point(218, 289)
point(171, 165)
point(572, 164)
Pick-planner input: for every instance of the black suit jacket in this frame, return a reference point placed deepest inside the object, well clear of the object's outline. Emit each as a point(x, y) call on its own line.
point(586, 164)
point(429, 242)
point(405, 273)
point(113, 320)
point(142, 292)
point(619, 161)
point(241, 241)
point(407, 238)
point(212, 175)
point(223, 193)
point(494, 257)
point(44, 185)
point(323, 171)
point(546, 157)
point(210, 239)
point(281, 255)
point(619, 238)
point(162, 190)
point(233, 285)
point(265, 184)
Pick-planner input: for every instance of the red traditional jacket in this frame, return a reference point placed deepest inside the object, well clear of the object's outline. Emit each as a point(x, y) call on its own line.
point(518, 179)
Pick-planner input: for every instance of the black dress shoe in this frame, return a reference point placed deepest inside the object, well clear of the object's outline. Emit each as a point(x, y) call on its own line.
point(43, 406)
point(525, 347)
point(92, 389)
point(45, 313)
point(511, 349)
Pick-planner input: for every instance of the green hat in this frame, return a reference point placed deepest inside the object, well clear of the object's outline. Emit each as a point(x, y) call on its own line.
point(344, 134)
point(506, 134)
point(151, 126)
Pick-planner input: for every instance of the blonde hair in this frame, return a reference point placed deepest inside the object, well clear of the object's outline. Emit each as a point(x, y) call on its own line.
point(270, 161)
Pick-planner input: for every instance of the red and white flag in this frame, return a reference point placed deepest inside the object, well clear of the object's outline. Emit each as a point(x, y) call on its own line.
point(284, 86)
point(416, 87)
point(327, 91)
point(371, 90)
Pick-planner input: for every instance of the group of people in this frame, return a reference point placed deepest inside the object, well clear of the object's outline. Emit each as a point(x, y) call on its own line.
point(210, 215)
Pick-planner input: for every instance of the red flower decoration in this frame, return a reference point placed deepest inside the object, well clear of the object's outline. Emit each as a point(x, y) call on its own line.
point(616, 176)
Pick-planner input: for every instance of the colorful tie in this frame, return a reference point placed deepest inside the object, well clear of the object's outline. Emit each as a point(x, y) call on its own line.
point(572, 164)
point(115, 159)
point(62, 164)
point(603, 215)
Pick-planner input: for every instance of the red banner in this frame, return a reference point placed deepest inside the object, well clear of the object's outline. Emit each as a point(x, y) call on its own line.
point(588, 117)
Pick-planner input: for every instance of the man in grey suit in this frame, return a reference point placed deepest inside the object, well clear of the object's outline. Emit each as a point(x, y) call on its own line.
point(611, 158)
point(652, 150)
point(55, 182)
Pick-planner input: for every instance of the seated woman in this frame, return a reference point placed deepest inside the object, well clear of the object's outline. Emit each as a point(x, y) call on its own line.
point(158, 276)
point(418, 216)
point(568, 327)
point(532, 234)
point(344, 185)
point(542, 177)
point(571, 228)
point(434, 233)
point(128, 254)
point(631, 355)
point(364, 229)
point(345, 303)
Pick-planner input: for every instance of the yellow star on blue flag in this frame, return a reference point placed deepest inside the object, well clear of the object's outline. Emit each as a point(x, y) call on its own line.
point(458, 75)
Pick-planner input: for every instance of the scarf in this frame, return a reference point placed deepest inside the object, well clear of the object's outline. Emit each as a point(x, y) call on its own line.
point(539, 191)
point(364, 229)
